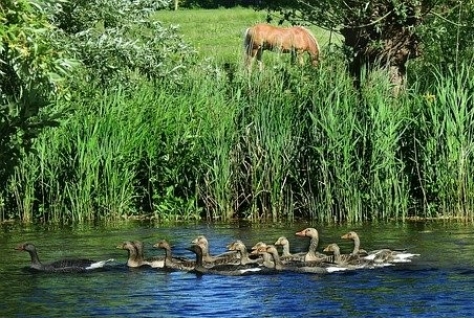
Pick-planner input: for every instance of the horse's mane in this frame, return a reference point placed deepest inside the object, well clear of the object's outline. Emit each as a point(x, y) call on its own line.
point(310, 34)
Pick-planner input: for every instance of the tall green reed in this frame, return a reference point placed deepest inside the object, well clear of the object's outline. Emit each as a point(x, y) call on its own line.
point(284, 143)
point(443, 145)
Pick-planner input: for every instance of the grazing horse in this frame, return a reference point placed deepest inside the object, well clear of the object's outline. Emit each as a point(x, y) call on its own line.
point(295, 40)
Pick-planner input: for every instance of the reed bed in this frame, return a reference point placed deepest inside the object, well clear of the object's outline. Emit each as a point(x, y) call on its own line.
point(282, 144)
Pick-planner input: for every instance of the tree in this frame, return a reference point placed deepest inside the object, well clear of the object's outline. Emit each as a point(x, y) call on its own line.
point(118, 39)
point(33, 67)
point(377, 32)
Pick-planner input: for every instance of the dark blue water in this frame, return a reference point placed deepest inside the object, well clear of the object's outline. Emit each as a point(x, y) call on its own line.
point(440, 283)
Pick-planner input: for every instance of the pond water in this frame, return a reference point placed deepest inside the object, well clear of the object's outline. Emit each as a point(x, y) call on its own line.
point(440, 283)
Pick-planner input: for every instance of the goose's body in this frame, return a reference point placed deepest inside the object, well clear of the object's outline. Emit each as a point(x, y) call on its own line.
point(379, 256)
point(65, 265)
point(228, 270)
point(174, 263)
point(313, 255)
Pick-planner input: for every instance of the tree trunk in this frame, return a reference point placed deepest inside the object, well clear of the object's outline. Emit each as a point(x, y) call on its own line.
point(383, 39)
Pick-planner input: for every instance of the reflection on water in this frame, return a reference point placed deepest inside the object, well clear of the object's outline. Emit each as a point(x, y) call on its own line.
point(439, 283)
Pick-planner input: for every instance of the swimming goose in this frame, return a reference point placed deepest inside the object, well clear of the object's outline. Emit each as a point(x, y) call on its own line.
point(312, 255)
point(64, 265)
point(380, 255)
point(349, 261)
point(153, 262)
point(286, 255)
point(289, 265)
point(174, 263)
point(136, 258)
point(268, 260)
point(231, 257)
point(229, 270)
point(245, 259)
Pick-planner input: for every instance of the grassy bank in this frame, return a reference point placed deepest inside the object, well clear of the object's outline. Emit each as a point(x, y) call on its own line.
point(217, 34)
point(282, 144)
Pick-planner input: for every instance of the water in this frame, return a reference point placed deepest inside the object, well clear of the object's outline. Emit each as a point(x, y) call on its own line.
point(438, 284)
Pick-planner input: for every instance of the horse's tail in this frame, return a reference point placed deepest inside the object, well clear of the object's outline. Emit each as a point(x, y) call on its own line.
point(247, 39)
point(315, 43)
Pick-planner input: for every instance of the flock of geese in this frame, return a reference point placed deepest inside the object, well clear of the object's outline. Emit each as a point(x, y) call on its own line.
point(238, 260)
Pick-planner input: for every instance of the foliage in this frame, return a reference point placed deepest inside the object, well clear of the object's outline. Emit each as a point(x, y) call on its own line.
point(448, 36)
point(33, 68)
point(119, 42)
point(384, 33)
point(52, 48)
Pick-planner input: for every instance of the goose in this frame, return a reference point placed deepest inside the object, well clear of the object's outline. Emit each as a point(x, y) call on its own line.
point(222, 259)
point(153, 262)
point(174, 263)
point(380, 255)
point(286, 255)
point(312, 255)
point(240, 247)
point(136, 258)
point(265, 252)
point(64, 265)
point(270, 251)
point(229, 270)
point(348, 261)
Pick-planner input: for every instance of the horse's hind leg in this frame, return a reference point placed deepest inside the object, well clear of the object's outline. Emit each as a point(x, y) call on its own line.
point(250, 54)
point(300, 56)
point(259, 54)
point(293, 56)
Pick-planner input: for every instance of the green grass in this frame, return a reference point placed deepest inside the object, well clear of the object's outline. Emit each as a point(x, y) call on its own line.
point(217, 34)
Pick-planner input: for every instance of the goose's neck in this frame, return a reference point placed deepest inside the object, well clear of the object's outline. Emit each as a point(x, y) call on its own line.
point(244, 256)
point(276, 260)
point(199, 258)
point(138, 254)
point(134, 259)
point(337, 256)
point(205, 254)
point(268, 261)
point(313, 245)
point(168, 256)
point(35, 261)
point(356, 245)
point(286, 250)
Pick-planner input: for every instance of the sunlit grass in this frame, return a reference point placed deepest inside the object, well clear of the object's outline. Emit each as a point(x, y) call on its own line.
point(217, 34)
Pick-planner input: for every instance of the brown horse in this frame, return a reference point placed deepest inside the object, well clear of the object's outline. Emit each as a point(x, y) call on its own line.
point(295, 40)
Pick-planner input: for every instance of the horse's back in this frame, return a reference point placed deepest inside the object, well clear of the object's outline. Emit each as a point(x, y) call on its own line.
point(285, 38)
point(262, 32)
